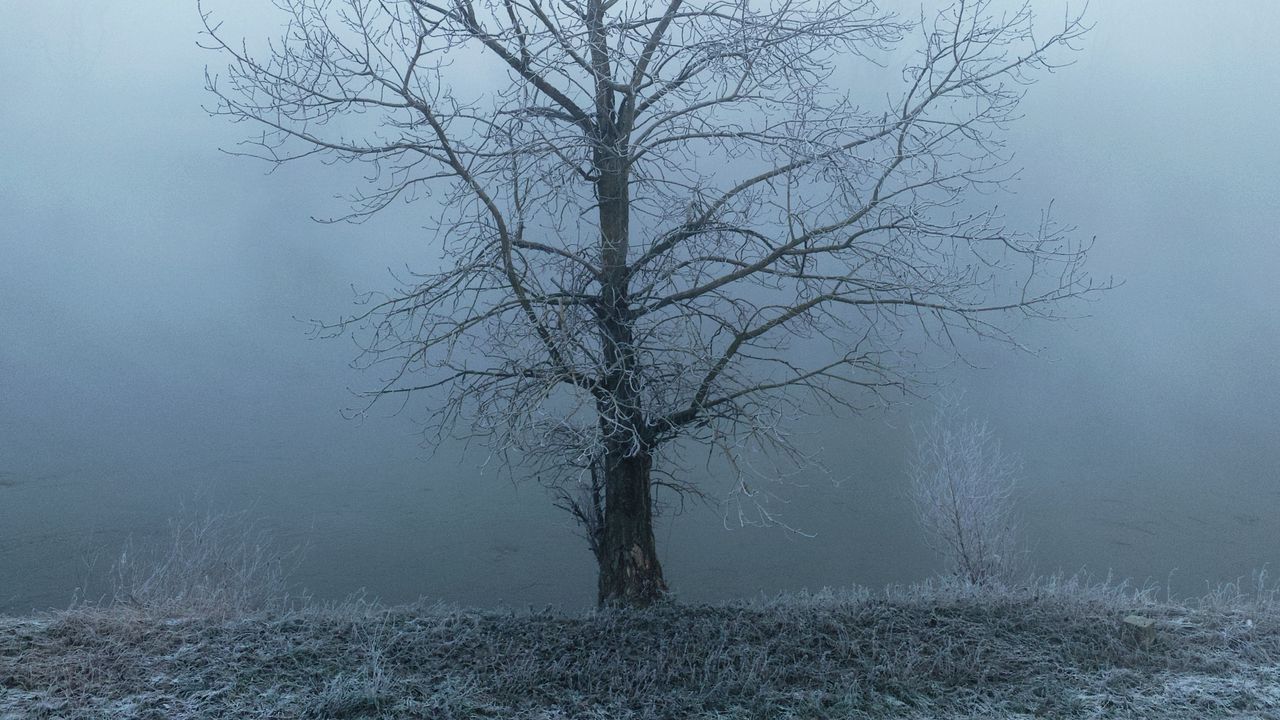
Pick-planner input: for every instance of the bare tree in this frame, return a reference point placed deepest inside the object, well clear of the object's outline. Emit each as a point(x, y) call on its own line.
point(665, 225)
point(962, 486)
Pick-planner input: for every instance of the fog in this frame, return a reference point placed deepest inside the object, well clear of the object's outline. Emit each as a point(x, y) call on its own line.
point(154, 349)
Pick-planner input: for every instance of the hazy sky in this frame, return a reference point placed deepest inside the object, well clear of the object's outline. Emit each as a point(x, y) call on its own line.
point(150, 285)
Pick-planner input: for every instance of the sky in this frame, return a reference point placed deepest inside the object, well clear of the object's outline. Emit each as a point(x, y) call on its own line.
point(154, 349)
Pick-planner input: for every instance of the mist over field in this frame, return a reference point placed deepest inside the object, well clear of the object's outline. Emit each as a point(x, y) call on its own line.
point(155, 353)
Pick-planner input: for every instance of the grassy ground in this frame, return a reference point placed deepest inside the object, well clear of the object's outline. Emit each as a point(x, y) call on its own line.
point(1057, 649)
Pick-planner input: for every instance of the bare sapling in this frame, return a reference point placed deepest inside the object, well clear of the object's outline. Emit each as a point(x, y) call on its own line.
point(962, 485)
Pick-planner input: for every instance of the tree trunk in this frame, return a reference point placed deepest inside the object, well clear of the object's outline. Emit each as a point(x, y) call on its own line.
point(630, 573)
point(629, 570)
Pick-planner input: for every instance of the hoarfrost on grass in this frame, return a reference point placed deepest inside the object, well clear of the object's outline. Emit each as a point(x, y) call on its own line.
point(941, 649)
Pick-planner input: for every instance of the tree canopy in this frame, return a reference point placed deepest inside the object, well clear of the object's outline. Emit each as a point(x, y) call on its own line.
point(665, 225)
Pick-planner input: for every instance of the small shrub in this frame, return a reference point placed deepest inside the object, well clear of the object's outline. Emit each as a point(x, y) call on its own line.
point(962, 486)
point(210, 564)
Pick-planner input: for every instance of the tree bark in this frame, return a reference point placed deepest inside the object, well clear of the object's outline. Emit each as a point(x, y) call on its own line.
point(630, 573)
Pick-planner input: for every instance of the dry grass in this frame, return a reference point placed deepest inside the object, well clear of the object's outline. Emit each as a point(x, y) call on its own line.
point(1053, 649)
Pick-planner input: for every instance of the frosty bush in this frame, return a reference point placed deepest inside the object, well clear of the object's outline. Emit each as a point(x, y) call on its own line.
point(962, 486)
point(210, 564)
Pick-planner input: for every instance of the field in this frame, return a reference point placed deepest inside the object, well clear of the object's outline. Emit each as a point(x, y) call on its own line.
point(1055, 648)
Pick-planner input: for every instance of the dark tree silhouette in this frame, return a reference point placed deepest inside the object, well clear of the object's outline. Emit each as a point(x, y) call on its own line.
point(645, 206)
